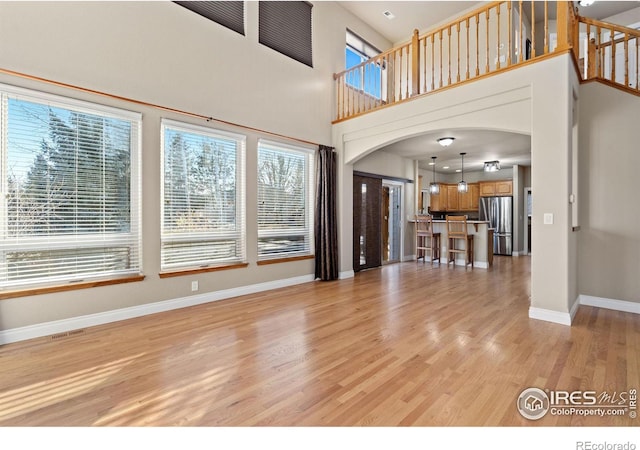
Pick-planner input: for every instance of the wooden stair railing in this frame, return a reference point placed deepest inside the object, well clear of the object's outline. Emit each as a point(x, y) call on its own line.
point(608, 53)
point(496, 37)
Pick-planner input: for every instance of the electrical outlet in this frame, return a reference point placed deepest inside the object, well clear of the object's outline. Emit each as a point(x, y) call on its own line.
point(548, 218)
point(194, 286)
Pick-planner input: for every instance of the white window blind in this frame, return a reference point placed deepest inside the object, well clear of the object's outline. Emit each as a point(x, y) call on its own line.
point(70, 208)
point(285, 201)
point(203, 212)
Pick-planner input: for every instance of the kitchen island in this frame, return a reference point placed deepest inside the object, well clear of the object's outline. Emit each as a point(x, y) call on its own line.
point(482, 242)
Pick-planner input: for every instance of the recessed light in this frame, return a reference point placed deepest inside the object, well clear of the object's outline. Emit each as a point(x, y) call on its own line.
point(458, 170)
point(388, 14)
point(445, 167)
point(432, 164)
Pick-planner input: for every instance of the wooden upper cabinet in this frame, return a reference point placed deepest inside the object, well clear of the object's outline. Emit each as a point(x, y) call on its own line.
point(452, 197)
point(487, 188)
point(504, 187)
point(491, 188)
point(449, 199)
point(469, 200)
point(438, 202)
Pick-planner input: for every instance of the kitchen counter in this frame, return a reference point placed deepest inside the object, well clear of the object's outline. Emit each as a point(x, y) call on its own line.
point(483, 235)
point(475, 223)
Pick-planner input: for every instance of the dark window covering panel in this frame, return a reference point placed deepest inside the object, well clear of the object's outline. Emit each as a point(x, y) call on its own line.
point(227, 13)
point(286, 28)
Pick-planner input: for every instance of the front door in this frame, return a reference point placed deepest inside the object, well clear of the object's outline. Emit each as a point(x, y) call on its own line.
point(367, 236)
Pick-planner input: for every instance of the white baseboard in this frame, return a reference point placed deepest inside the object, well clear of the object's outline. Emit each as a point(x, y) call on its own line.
point(609, 303)
point(90, 320)
point(346, 274)
point(550, 316)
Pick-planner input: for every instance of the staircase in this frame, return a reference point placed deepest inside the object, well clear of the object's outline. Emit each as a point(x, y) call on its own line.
point(497, 37)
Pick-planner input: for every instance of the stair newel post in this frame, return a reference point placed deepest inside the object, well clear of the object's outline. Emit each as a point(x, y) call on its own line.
point(415, 63)
point(562, 15)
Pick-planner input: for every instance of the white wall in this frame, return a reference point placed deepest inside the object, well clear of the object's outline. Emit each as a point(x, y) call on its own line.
point(161, 53)
point(394, 166)
point(534, 99)
point(609, 238)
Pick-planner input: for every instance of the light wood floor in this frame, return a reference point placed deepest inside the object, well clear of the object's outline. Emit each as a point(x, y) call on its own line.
point(408, 344)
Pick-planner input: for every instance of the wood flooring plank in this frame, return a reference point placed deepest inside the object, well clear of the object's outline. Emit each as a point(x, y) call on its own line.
point(403, 345)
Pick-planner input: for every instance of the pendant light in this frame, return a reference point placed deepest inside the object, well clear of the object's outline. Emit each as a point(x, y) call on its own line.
point(462, 186)
point(434, 187)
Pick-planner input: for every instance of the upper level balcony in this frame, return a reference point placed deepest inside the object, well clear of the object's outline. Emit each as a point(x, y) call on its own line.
point(496, 37)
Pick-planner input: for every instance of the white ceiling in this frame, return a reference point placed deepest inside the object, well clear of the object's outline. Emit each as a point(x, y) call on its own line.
point(425, 15)
point(480, 145)
point(409, 15)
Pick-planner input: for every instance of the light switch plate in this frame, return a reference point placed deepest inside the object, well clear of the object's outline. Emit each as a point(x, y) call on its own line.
point(548, 218)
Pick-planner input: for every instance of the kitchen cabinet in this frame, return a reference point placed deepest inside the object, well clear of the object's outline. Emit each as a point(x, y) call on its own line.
point(492, 188)
point(504, 187)
point(438, 202)
point(452, 198)
point(468, 201)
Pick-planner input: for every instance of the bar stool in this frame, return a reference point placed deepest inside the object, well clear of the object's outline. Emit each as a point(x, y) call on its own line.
point(426, 239)
point(460, 241)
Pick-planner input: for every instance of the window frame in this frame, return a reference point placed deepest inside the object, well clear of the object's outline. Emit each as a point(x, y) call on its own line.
point(309, 195)
point(365, 51)
point(63, 241)
point(240, 234)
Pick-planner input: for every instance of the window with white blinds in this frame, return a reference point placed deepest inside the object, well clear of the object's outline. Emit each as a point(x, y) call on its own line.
point(203, 212)
point(285, 201)
point(70, 203)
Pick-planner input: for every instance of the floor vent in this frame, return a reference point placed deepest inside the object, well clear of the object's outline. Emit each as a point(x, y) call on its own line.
point(67, 334)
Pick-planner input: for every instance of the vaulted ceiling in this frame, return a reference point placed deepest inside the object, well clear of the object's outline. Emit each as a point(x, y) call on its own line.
point(480, 145)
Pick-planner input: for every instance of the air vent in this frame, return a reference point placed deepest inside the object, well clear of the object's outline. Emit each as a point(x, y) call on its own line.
point(389, 15)
point(67, 334)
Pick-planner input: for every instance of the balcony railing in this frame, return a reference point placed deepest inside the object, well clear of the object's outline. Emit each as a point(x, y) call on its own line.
point(608, 53)
point(494, 38)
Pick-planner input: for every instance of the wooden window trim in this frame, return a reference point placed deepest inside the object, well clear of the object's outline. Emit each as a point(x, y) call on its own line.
point(193, 271)
point(266, 262)
point(69, 287)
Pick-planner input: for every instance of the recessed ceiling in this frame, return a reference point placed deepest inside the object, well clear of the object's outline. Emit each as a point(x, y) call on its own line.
point(480, 145)
point(407, 15)
point(425, 15)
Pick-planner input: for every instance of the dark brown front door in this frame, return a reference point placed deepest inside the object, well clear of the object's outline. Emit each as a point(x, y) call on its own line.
point(367, 236)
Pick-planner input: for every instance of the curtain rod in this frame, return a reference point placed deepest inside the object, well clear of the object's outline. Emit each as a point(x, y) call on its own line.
point(152, 105)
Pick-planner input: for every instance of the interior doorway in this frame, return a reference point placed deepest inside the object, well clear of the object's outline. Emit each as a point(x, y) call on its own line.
point(391, 222)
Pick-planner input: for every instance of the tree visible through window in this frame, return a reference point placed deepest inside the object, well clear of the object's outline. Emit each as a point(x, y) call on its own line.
point(285, 201)
point(70, 207)
point(203, 196)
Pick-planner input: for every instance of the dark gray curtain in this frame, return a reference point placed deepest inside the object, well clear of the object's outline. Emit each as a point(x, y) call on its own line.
point(326, 223)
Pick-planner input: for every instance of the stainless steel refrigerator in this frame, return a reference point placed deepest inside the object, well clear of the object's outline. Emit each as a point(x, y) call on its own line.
point(498, 211)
